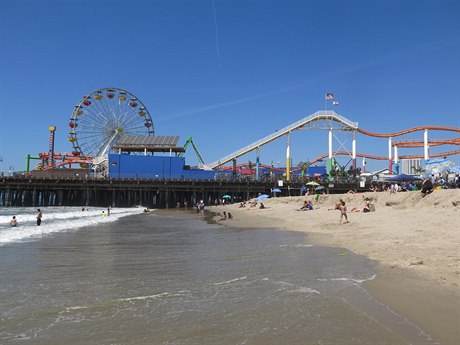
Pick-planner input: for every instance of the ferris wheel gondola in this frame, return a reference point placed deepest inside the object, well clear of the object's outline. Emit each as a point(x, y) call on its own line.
point(100, 118)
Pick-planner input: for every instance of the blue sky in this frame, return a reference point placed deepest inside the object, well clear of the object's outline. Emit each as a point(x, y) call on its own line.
point(228, 73)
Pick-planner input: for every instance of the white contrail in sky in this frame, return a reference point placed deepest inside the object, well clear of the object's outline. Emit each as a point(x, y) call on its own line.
point(329, 75)
point(217, 33)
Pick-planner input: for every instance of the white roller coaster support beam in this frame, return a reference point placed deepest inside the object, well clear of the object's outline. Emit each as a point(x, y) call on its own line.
point(390, 158)
point(319, 115)
point(329, 164)
point(257, 164)
point(353, 150)
point(426, 147)
point(288, 157)
point(330, 144)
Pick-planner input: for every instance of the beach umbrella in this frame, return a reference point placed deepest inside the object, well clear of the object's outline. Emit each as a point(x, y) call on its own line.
point(312, 183)
point(320, 188)
point(262, 197)
point(226, 196)
point(276, 190)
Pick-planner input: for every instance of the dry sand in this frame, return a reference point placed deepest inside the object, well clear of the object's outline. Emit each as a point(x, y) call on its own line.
point(415, 240)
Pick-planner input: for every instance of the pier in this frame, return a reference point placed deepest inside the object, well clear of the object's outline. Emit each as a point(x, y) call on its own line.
point(23, 191)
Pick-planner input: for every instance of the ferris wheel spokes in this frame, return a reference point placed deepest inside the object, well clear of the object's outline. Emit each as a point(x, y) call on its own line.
point(104, 115)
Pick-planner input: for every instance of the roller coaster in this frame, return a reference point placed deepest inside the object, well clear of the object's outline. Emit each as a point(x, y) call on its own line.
point(331, 121)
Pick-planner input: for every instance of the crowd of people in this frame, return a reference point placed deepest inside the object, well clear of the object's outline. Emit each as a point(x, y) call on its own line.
point(434, 182)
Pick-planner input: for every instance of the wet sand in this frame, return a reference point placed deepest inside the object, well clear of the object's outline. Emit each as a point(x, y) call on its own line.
point(415, 240)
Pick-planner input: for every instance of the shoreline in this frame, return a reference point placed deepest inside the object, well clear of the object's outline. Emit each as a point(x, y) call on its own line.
point(415, 242)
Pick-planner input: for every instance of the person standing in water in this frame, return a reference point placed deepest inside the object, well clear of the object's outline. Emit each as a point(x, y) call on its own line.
point(39, 217)
point(14, 222)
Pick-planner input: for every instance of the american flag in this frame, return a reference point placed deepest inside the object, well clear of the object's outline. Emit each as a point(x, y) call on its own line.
point(329, 96)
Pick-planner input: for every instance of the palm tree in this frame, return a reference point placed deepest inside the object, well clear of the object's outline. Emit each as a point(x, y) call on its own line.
point(304, 166)
point(250, 165)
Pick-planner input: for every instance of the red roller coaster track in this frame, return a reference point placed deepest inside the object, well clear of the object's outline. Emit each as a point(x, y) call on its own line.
point(410, 130)
point(411, 143)
point(419, 143)
point(385, 158)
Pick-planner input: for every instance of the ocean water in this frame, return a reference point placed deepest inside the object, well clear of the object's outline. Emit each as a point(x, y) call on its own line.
point(143, 278)
point(55, 219)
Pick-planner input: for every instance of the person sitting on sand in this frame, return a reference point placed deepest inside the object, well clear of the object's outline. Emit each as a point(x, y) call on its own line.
point(224, 217)
point(343, 212)
point(253, 203)
point(304, 206)
point(242, 204)
point(307, 205)
point(261, 206)
point(229, 215)
point(427, 187)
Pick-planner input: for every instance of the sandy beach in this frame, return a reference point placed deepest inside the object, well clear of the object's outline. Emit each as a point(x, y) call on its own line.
point(415, 241)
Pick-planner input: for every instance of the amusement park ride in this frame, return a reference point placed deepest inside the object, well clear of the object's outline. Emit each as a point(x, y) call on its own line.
point(100, 119)
point(97, 121)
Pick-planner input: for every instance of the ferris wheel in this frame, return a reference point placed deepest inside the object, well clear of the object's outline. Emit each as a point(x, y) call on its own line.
point(100, 118)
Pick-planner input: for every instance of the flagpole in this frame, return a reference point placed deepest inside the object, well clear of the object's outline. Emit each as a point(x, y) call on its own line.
point(325, 104)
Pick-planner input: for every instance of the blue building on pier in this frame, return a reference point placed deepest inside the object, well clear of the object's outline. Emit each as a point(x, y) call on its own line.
point(153, 157)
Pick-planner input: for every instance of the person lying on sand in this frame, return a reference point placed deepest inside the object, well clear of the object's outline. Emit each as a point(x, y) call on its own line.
point(366, 207)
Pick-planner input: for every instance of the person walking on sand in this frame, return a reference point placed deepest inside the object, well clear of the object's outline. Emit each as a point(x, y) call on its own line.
point(14, 222)
point(201, 207)
point(343, 212)
point(39, 217)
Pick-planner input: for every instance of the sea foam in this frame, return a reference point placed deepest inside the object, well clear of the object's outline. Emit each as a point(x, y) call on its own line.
point(55, 219)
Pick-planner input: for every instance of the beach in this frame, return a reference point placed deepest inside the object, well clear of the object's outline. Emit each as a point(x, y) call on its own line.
point(414, 240)
point(266, 276)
